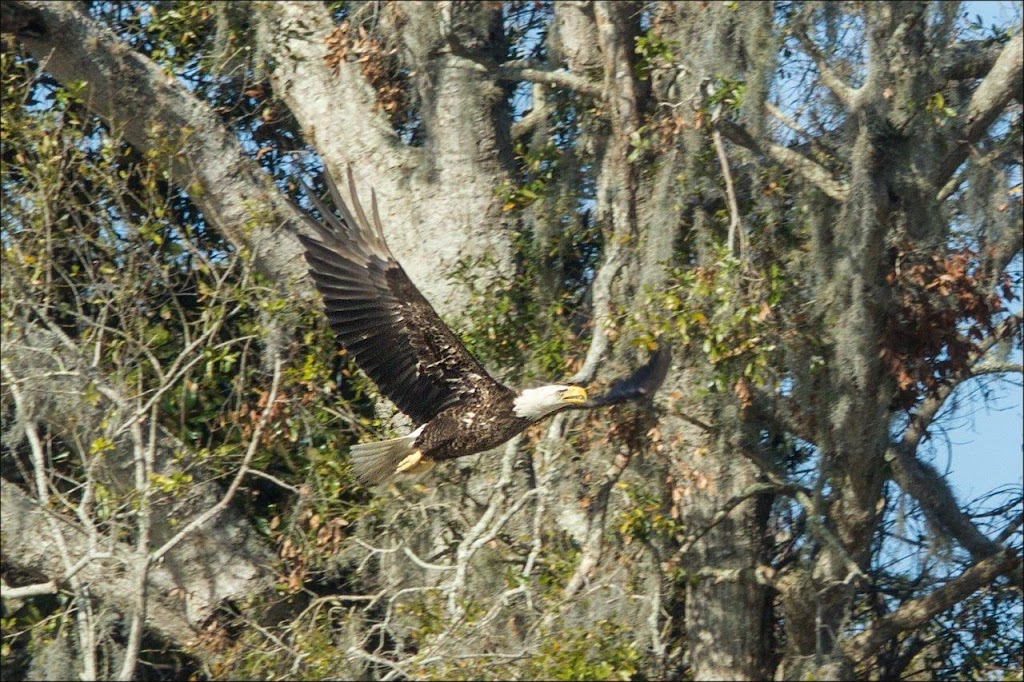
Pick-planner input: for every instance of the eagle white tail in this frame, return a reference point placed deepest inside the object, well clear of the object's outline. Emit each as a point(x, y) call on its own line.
point(374, 462)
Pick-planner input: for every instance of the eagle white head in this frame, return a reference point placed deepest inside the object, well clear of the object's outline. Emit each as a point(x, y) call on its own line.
point(536, 403)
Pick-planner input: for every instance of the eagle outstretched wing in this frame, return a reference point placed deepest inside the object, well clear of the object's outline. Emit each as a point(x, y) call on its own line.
point(644, 382)
point(380, 317)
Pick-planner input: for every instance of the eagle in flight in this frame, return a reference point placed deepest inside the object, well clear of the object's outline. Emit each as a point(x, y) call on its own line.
point(398, 340)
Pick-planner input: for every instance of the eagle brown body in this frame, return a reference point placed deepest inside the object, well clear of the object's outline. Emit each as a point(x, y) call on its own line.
point(397, 338)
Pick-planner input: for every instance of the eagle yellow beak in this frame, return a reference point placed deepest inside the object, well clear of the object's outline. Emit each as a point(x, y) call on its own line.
point(575, 395)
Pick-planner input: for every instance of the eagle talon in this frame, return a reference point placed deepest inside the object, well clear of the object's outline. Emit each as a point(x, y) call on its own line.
point(415, 463)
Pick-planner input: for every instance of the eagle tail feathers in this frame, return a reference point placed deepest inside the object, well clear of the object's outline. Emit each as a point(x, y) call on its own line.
point(374, 462)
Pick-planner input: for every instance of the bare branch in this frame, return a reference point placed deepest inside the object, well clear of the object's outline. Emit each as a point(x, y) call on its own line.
point(925, 414)
point(918, 611)
point(737, 239)
point(144, 465)
point(602, 312)
point(238, 197)
point(243, 469)
point(1001, 85)
point(593, 545)
point(536, 117)
point(998, 368)
point(531, 72)
point(954, 182)
point(843, 92)
point(41, 363)
point(486, 527)
point(925, 484)
point(617, 177)
point(810, 170)
point(27, 537)
point(8, 593)
point(723, 511)
point(815, 141)
point(1011, 528)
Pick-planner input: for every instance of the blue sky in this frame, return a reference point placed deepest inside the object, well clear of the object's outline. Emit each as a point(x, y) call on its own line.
point(984, 441)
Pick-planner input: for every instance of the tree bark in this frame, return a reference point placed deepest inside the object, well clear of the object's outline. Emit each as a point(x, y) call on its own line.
point(217, 563)
point(30, 546)
point(154, 113)
point(462, 153)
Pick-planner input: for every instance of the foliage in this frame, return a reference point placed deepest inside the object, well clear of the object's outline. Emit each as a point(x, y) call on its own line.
point(540, 166)
point(945, 309)
point(587, 550)
point(737, 334)
point(599, 652)
point(646, 518)
point(98, 245)
point(654, 51)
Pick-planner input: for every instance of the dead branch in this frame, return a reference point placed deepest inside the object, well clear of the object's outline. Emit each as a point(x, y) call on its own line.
point(810, 170)
point(1002, 84)
point(28, 539)
point(919, 611)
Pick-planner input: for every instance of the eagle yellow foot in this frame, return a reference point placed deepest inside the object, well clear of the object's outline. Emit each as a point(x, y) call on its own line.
point(415, 463)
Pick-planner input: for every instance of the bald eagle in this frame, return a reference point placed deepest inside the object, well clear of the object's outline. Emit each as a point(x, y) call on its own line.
point(397, 339)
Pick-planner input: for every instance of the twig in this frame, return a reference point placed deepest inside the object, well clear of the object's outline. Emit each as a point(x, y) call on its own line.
point(425, 564)
point(813, 172)
point(237, 481)
point(275, 480)
point(143, 461)
point(917, 611)
point(1000, 85)
point(736, 240)
point(481, 532)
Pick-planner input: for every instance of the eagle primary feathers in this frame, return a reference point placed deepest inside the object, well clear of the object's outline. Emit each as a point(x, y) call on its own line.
point(398, 340)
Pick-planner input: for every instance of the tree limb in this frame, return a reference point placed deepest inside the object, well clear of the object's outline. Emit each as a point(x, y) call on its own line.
point(737, 238)
point(925, 484)
point(156, 112)
point(843, 92)
point(532, 72)
point(1002, 83)
point(723, 511)
point(919, 611)
point(593, 545)
point(295, 36)
point(617, 181)
point(971, 59)
point(810, 170)
point(925, 414)
point(29, 546)
point(338, 111)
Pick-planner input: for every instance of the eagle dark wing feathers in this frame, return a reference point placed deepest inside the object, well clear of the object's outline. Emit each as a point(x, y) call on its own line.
point(640, 384)
point(381, 318)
